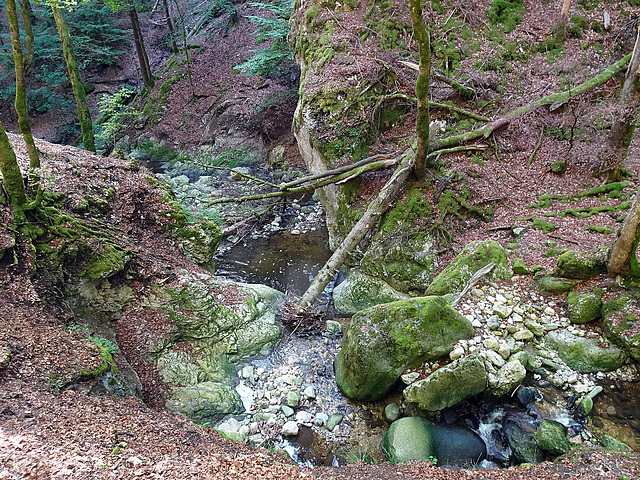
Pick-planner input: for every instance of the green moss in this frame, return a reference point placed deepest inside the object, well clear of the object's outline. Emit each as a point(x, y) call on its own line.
point(109, 260)
point(610, 190)
point(508, 13)
point(539, 224)
point(598, 229)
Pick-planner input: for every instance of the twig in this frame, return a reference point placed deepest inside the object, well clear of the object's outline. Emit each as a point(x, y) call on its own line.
point(563, 239)
point(533, 154)
point(227, 169)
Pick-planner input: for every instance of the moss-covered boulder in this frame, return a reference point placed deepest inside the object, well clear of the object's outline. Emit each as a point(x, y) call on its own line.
point(580, 265)
point(199, 241)
point(621, 322)
point(359, 291)
point(416, 438)
point(205, 402)
point(383, 341)
point(449, 385)
point(551, 437)
point(474, 256)
point(212, 335)
point(584, 306)
point(519, 267)
point(554, 285)
point(585, 355)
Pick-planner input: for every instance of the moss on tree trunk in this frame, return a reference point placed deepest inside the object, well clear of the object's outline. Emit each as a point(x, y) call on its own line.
point(422, 87)
point(84, 116)
point(11, 174)
point(21, 92)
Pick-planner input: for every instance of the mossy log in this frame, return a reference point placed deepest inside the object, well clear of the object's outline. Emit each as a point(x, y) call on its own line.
point(550, 100)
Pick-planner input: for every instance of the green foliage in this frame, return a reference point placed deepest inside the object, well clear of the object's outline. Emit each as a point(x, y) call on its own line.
point(97, 41)
point(278, 56)
point(113, 110)
point(506, 12)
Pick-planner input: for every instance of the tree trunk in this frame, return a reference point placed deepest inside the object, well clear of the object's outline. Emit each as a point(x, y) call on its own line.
point(370, 218)
point(21, 93)
point(11, 174)
point(422, 87)
point(619, 259)
point(615, 153)
point(170, 26)
point(28, 31)
point(86, 126)
point(562, 22)
point(145, 69)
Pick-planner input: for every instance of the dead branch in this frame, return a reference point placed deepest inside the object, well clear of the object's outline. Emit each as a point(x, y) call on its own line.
point(370, 218)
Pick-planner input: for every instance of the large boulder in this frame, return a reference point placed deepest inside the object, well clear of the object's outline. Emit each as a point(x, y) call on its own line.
point(551, 437)
point(474, 256)
point(385, 340)
point(449, 385)
point(359, 291)
point(508, 377)
point(416, 438)
point(205, 402)
point(622, 324)
point(580, 265)
point(519, 434)
point(584, 306)
point(585, 355)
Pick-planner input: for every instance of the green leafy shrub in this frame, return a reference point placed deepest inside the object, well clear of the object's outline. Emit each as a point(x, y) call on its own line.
point(113, 110)
point(278, 56)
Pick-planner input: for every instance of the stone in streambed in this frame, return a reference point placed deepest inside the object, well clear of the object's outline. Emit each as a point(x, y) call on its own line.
point(383, 341)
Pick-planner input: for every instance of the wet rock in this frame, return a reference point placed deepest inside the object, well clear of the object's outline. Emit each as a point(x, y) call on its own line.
point(474, 256)
point(551, 437)
point(383, 341)
point(521, 441)
point(609, 442)
point(585, 406)
point(585, 355)
point(449, 385)
point(527, 395)
point(584, 307)
point(359, 291)
point(416, 438)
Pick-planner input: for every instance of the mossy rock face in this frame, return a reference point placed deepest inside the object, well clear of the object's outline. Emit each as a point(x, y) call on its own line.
point(205, 402)
point(584, 306)
point(474, 256)
point(579, 265)
point(359, 291)
point(449, 385)
point(106, 262)
point(554, 285)
point(385, 340)
point(621, 326)
point(551, 437)
point(199, 241)
point(585, 355)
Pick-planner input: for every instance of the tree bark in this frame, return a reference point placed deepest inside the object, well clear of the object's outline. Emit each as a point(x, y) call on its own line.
point(170, 26)
point(370, 218)
point(28, 31)
point(21, 94)
point(143, 59)
point(11, 174)
point(86, 126)
point(619, 259)
point(422, 87)
point(561, 25)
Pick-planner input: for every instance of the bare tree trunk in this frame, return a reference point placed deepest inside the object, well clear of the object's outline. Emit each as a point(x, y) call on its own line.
point(422, 87)
point(86, 126)
point(619, 259)
point(21, 94)
point(143, 59)
point(562, 22)
point(170, 26)
point(370, 218)
point(615, 153)
point(11, 175)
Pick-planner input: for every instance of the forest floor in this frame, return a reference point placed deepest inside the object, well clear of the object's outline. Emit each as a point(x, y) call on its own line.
point(67, 434)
